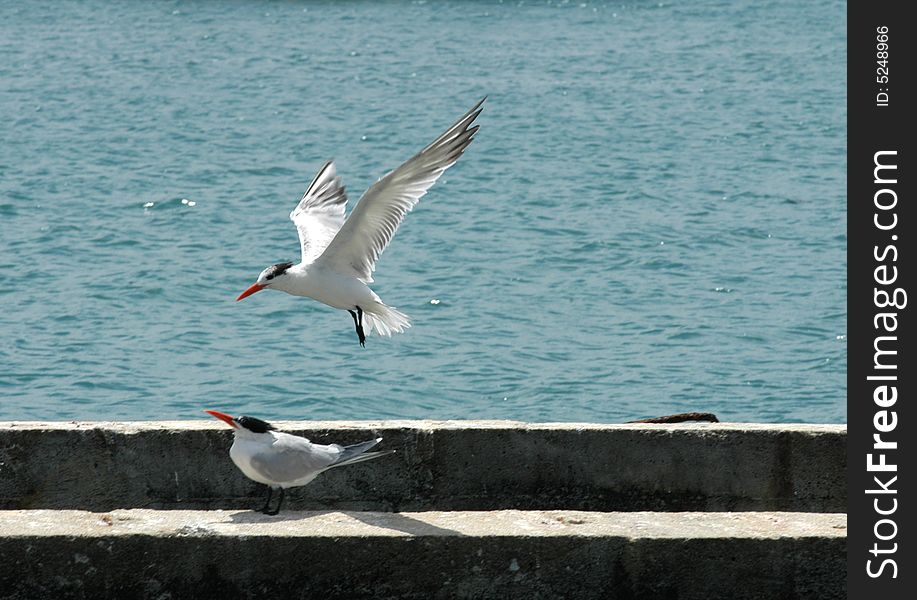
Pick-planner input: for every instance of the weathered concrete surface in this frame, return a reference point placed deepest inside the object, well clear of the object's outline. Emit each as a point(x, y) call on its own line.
point(503, 554)
point(455, 465)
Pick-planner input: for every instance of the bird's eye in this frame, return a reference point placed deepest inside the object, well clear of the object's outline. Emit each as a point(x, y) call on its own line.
point(271, 276)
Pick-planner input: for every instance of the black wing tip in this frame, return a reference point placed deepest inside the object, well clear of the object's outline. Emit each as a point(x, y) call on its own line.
point(469, 117)
point(328, 163)
point(466, 121)
point(478, 108)
point(338, 197)
point(318, 176)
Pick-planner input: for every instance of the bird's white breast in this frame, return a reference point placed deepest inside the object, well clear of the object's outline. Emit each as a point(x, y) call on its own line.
point(242, 451)
point(327, 286)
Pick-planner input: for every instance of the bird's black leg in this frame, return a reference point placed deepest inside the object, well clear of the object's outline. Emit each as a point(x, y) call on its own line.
point(267, 503)
point(358, 323)
point(360, 327)
point(279, 503)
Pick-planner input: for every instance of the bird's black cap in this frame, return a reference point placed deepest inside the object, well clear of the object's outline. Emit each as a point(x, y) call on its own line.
point(278, 269)
point(255, 425)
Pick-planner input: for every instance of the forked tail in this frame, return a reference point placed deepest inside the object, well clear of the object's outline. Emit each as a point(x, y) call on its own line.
point(358, 453)
point(384, 320)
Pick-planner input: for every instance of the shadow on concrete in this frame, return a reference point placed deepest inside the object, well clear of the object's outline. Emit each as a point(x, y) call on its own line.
point(403, 523)
point(393, 521)
point(254, 516)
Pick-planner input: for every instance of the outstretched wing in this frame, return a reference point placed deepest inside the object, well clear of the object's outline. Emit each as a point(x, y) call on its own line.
point(370, 227)
point(320, 213)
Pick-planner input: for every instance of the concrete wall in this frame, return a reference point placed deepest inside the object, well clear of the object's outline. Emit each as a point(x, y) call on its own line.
point(438, 465)
point(503, 554)
point(508, 510)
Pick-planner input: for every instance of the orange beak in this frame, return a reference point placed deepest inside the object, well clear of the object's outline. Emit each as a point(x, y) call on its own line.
point(228, 419)
point(251, 290)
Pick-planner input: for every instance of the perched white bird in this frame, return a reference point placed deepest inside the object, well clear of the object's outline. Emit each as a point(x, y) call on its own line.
point(338, 256)
point(280, 460)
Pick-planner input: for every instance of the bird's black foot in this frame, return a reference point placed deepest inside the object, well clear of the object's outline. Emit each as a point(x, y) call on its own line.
point(358, 323)
point(279, 503)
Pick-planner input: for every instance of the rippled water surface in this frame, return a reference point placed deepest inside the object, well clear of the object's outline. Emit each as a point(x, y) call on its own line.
point(651, 219)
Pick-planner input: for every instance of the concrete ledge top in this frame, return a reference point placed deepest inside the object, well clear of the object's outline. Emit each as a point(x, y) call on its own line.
point(135, 426)
point(506, 554)
point(501, 523)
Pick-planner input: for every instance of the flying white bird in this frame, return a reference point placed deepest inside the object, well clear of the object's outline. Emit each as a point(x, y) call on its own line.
point(280, 460)
point(338, 256)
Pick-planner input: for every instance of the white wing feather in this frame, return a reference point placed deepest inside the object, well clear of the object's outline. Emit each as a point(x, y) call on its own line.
point(320, 213)
point(371, 225)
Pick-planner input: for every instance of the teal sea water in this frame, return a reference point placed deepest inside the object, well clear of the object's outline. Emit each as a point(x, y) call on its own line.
point(651, 220)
